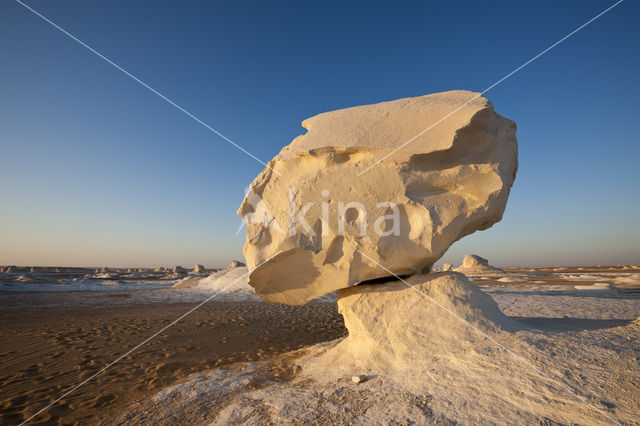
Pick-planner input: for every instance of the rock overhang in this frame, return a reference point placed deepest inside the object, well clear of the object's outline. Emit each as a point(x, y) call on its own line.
point(320, 224)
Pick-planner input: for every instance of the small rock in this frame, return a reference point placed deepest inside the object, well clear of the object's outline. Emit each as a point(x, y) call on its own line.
point(235, 264)
point(359, 379)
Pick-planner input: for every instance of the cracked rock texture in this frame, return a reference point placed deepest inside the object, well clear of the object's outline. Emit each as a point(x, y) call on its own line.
point(320, 218)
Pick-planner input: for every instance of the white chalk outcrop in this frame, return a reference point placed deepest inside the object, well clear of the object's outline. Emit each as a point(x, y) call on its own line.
point(199, 269)
point(428, 188)
point(397, 327)
point(472, 264)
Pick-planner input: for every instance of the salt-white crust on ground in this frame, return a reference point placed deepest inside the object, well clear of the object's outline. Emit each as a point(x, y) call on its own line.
point(226, 283)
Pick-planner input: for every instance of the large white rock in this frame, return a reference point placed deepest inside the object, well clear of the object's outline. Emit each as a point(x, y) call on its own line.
point(320, 226)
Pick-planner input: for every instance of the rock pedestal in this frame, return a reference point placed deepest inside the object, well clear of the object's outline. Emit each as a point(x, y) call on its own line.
point(400, 327)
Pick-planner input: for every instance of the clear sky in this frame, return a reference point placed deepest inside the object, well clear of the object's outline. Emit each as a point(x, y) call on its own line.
point(97, 170)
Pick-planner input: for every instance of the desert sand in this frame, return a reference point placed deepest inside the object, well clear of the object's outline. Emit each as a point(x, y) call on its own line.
point(214, 365)
point(45, 349)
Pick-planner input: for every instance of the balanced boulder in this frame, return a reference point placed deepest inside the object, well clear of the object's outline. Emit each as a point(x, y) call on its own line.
point(376, 190)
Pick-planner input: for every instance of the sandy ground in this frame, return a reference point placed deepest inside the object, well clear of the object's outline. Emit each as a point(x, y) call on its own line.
point(230, 361)
point(46, 350)
point(585, 338)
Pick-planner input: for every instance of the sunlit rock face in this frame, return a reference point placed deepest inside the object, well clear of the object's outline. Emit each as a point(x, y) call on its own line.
point(444, 309)
point(376, 188)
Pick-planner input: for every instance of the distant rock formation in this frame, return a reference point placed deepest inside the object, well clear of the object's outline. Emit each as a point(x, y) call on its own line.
point(160, 269)
point(472, 264)
point(178, 270)
point(422, 193)
point(199, 269)
point(236, 264)
point(447, 267)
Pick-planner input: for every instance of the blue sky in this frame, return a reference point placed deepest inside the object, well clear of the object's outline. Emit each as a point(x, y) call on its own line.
point(97, 170)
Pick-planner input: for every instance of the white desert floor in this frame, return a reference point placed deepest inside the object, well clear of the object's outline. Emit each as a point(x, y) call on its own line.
point(576, 361)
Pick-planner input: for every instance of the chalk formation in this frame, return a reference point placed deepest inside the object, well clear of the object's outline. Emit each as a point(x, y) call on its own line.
point(472, 264)
point(354, 222)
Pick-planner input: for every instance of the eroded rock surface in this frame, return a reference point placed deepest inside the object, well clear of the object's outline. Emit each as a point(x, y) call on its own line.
point(394, 326)
point(320, 218)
